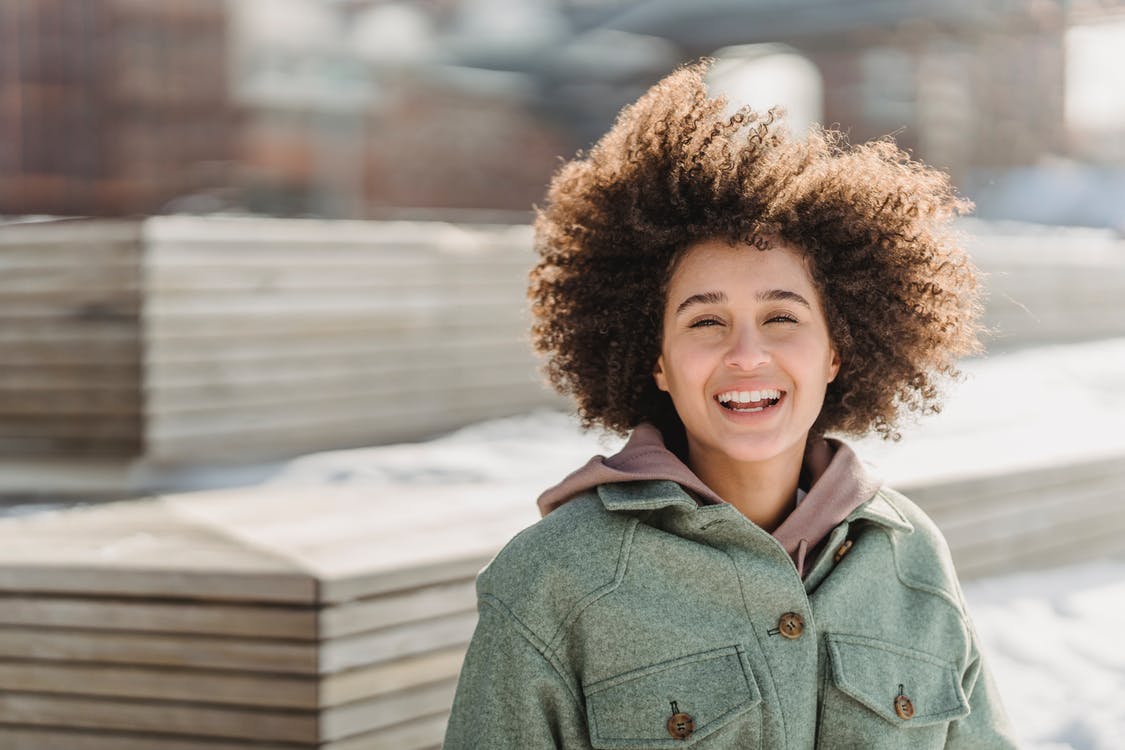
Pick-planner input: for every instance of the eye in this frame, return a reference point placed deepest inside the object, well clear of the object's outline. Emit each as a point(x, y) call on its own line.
point(705, 323)
point(782, 318)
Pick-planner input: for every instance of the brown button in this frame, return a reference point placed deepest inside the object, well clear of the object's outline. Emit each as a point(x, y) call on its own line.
point(681, 725)
point(791, 625)
point(903, 707)
point(843, 550)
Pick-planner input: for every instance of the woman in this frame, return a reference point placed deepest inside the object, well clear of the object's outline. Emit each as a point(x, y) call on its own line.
point(733, 578)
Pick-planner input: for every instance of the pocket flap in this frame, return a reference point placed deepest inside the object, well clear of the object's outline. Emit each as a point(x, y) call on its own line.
point(874, 672)
point(632, 710)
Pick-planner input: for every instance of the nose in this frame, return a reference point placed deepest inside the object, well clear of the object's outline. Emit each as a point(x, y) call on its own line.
point(748, 349)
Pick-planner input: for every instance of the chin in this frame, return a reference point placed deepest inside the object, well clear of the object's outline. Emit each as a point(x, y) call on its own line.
point(753, 448)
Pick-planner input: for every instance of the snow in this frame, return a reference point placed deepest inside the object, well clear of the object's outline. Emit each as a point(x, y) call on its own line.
point(1053, 640)
point(994, 421)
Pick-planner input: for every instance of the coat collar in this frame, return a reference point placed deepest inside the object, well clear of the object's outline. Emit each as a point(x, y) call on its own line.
point(649, 495)
point(882, 511)
point(632, 496)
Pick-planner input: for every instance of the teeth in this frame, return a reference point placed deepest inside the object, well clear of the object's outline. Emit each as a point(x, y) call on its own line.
point(746, 397)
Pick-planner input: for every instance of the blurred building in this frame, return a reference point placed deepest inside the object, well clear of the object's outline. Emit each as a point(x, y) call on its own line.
point(348, 110)
point(367, 108)
point(111, 107)
point(962, 85)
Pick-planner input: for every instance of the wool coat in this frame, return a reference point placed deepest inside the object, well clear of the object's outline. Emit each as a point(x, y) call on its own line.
point(634, 617)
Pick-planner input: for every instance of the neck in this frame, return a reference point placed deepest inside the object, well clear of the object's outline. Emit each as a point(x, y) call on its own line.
point(763, 491)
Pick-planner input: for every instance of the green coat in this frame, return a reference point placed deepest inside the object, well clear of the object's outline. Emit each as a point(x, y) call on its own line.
point(631, 605)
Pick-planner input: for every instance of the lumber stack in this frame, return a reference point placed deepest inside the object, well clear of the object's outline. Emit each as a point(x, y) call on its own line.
point(71, 340)
point(269, 338)
point(243, 620)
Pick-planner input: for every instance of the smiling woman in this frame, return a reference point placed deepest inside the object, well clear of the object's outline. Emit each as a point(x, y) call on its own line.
point(734, 578)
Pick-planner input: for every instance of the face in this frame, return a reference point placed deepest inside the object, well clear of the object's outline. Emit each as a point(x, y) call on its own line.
point(746, 355)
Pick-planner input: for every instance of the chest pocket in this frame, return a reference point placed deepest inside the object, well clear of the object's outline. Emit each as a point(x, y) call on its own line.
point(882, 695)
point(705, 692)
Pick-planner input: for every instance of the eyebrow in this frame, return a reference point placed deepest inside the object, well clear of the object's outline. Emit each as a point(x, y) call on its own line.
point(704, 298)
point(717, 298)
point(782, 295)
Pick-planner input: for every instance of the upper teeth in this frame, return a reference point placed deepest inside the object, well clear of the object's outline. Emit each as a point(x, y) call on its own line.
point(745, 397)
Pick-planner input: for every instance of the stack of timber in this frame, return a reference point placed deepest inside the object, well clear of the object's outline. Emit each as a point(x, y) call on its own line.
point(71, 340)
point(243, 620)
point(268, 337)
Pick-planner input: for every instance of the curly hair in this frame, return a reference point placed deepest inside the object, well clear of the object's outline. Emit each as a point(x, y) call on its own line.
point(900, 296)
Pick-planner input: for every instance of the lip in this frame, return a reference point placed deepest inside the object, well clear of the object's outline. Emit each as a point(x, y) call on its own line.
point(751, 416)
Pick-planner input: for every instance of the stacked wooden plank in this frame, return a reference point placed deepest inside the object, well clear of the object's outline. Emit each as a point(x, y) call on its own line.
point(291, 619)
point(1032, 517)
point(70, 339)
point(269, 338)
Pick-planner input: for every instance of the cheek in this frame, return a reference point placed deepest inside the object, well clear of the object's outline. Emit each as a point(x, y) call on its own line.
point(687, 365)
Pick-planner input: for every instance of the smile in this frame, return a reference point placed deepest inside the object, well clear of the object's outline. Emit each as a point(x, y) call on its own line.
point(749, 401)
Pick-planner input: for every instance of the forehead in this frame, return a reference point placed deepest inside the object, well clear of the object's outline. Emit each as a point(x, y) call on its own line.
point(719, 265)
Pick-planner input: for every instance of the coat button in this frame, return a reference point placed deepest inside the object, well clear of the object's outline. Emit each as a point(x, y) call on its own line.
point(681, 725)
point(843, 550)
point(791, 625)
point(904, 707)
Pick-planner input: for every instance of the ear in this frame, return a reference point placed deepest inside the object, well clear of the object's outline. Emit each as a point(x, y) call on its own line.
point(658, 374)
point(833, 365)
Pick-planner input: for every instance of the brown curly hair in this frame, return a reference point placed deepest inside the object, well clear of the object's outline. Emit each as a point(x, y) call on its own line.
point(900, 296)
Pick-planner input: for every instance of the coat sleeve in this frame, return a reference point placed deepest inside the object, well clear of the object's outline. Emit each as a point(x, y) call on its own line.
point(509, 695)
point(986, 727)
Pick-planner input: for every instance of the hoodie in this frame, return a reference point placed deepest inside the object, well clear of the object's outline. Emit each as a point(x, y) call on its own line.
point(839, 484)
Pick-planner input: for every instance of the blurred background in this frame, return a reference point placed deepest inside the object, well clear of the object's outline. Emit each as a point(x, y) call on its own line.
point(254, 251)
point(375, 109)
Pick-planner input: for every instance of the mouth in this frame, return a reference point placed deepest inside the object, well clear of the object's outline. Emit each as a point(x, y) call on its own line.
point(746, 402)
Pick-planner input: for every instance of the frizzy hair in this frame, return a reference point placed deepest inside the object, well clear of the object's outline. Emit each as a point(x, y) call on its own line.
point(900, 296)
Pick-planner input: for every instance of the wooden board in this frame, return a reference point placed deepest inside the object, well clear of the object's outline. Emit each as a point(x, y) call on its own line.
point(385, 646)
point(184, 617)
point(341, 534)
point(69, 712)
point(397, 708)
point(396, 608)
point(280, 321)
point(97, 647)
point(390, 677)
point(294, 365)
point(960, 495)
point(90, 427)
point(291, 345)
point(233, 417)
point(424, 733)
point(141, 549)
point(394, 643)
point(49, 275)
point(227, 688)
point(206, 721)
point(31, 738)
point(431, 301)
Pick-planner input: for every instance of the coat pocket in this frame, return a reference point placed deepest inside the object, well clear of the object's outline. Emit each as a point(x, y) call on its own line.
point(712, 689)
point(884, 695)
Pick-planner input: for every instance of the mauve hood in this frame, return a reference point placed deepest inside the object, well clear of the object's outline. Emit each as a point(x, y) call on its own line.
point(840, 484)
